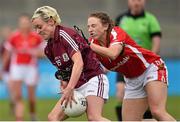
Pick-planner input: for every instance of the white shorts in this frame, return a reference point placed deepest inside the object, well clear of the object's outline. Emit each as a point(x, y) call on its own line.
point(25, 73)
point(134, 87)
point(97, 86)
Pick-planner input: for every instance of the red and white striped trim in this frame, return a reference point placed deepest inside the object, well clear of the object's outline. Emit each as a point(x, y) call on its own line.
point(162, 74)
point(139, 55)
point(69, 40)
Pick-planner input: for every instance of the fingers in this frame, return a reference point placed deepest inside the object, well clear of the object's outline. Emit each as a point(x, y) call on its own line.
point(73, 98)
point(70, 101)
point(65, 102)
point(67, 99)
point(62, 100)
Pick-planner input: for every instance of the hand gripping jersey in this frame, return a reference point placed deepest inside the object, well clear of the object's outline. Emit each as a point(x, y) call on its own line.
point(133, 61)
point(22, 47)
point(65, 44)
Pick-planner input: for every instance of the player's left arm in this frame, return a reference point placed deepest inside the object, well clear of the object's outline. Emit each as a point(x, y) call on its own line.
point(76, 70)
point(115, 48)
point(67, 96)
point(74, 52)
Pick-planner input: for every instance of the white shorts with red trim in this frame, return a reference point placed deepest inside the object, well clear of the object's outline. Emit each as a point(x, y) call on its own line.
point(134, 87)
point(25, 73)
point(96, 86)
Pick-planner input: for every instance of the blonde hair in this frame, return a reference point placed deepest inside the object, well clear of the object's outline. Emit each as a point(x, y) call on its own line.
point(47, 12)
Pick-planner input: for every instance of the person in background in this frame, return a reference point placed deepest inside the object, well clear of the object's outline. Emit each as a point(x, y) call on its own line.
point(24, 47)
point(144, 28)
point(4, 72)
point(145, 73)
point(72, 56)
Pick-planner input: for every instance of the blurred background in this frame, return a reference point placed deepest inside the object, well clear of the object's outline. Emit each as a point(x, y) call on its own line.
point(75, 12)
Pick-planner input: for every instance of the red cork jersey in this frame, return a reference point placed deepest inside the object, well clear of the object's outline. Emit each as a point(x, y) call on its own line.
point(23, 46)
point(133, 61)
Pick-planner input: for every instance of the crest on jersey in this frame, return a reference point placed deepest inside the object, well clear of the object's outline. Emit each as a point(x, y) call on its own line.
point(65, 57)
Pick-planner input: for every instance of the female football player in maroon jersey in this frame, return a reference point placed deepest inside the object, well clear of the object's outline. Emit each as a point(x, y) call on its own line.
point(72, 56)
point(145, 73)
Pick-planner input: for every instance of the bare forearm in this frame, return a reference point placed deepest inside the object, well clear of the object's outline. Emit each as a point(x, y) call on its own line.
point(76, 72)
point(111, 52)
point(100, 50)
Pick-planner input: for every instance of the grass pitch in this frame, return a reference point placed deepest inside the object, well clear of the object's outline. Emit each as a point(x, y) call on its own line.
point(44, 106)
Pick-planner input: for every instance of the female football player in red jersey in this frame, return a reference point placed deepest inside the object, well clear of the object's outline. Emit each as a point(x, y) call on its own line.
point(144, 72)
point(23, 47)
point(68, 51)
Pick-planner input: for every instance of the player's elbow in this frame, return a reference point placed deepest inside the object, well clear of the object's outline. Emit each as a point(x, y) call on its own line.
point(114, 52)
point(113, 56)
point(81, 64)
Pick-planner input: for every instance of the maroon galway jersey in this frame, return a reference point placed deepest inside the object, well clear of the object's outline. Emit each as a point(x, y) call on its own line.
point(65, 44)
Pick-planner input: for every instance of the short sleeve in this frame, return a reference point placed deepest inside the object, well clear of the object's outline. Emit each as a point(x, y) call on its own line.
point(118, 36)
point(154, 25)
point(69, 43)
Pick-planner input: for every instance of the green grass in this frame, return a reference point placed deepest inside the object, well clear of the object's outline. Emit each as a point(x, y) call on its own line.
point(44, 106)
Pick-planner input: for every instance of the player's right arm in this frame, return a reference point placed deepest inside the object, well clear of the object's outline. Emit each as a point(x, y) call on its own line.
point(74, 52)
point(116, 45)
point(111, 52)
